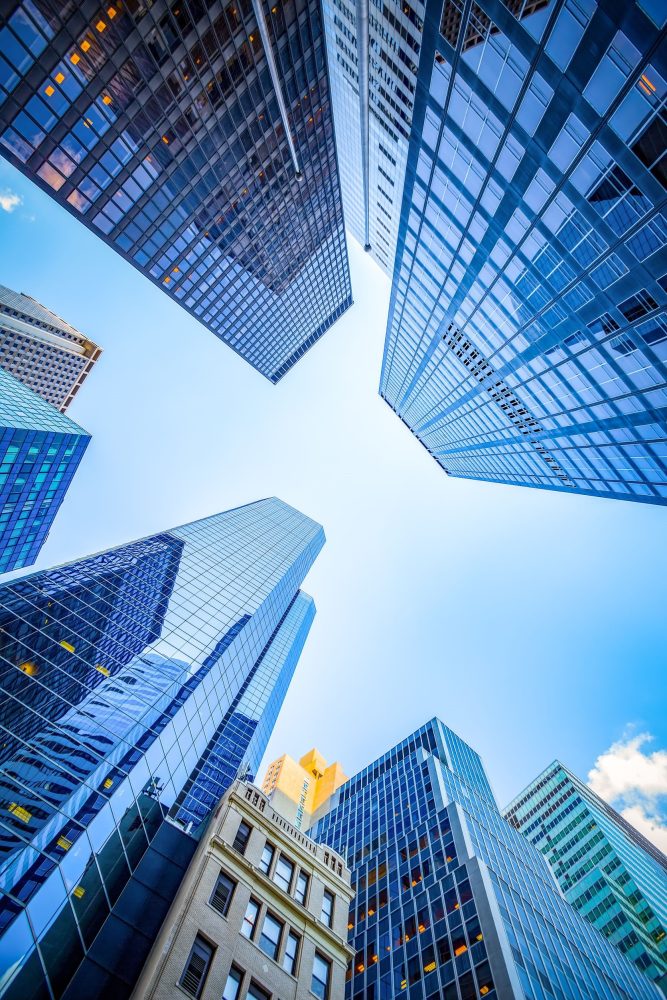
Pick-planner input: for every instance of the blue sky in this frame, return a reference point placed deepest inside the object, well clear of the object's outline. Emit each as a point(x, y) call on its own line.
point(533, 623)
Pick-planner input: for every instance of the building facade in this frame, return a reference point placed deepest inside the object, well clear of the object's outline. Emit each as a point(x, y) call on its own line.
point(527, 333)
point(298, 791)
point(137, 683)
point(40, 450)
point(451, 901)
point(610, 873)
point(261, 913)
point(373, 53)
point(43, 351)
point(197, 141)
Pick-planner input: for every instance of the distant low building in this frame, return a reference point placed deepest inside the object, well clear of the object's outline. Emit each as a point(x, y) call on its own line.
point(262, 912)
point(299, 790)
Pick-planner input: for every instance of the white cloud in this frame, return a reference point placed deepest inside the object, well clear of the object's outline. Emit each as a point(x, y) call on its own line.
point(634, 781)
point(9, 200)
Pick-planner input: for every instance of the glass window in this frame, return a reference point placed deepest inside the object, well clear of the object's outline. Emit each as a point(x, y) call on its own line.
point(196, 969)
point(267, 857)
point(241, 838)
point(291, 953)
point(233, 984)
point(327, 908)
point(269, 939)
point(256, 992)
point(222, 894)
point(283, 873)
point(301, 890)
point(250, 918)
point(321, 976)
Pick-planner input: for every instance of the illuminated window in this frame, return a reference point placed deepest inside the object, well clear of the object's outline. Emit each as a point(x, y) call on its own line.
point(66, 645)
point(111, 11)
point(106, 99)
point(49, 91)
point(75, 58)
point(85, 45)
point(59, 77)
point(100, 26)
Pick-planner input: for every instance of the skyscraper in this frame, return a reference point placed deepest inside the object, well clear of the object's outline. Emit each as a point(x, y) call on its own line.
point(452, 903)
point(197, 141)
point(300, 790)
point(373, 53)
point(527, 331)
point(610, 873)
point(40, 450)
point(136, 684)
point(43, 351)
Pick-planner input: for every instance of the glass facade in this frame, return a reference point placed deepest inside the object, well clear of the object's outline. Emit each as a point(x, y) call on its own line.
point(610, 873)
point(527, 334)
point(452, 902)
point(136, 685)
point(37, 347)
point(40, 450)
point(197, 140)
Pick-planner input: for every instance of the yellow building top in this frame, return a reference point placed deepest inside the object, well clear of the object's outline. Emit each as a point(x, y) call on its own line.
point(298, 790)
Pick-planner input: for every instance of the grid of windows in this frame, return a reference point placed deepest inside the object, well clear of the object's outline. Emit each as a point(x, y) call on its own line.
point(40, 450)
point(526, 341)
point(101, 662)
point(41, 350)
point(606, 869)
point(433, 861)
point(160, 129)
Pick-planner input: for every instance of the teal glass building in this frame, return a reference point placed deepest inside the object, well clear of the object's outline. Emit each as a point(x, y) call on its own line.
point(607, 870)
point(196, 140)
point(452, 902)
point(40, 450)
point(136, 685)
point(527, 333)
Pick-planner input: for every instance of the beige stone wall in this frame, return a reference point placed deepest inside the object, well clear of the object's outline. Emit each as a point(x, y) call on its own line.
point(191, 914)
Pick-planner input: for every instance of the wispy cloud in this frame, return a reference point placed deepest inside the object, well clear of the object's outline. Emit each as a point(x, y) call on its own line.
point(634, 781)
point(9, 200)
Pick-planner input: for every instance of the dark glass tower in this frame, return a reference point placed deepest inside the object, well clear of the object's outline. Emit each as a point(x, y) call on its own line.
point(135, 685)
point(196, 139)
point(452, 903)
point(40, 450)
point(527, 333)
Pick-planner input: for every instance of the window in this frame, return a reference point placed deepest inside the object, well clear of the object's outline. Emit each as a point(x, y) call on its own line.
point(327, 908)
point(241, 838)
point(233, 984)
point(291, 953)
point(256, 992)
point(198, 964)
point(267, 857)
point(282, 876)
point(269, 939)
point(222, 894)
point(301, 890)
point(250, 918)
point(321, 976)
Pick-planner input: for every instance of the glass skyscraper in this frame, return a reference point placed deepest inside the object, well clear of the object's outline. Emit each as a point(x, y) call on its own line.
point(609, 872)
point(40, 450)
point(452, 903)
point(43, 351)
point(527, 333)
point(136, 684)
point(197, 140)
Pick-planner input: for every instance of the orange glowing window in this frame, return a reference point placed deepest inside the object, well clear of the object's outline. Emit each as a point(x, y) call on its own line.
point(167, 280)
point(29, 668)
point(20, 812)
point(85, 45)
point(59, 77)
point(430, 967)
point(462, 948)
point(102, 670)
point(108, 782)
point(49, 90)
point(101, 25)
point(75, 58)
point(106, 99)
point(165, 140)
point(175, 270)
point(648, 86)
point(64, 843)
point(111, 11)
point(79, 892)
point(483, 990)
